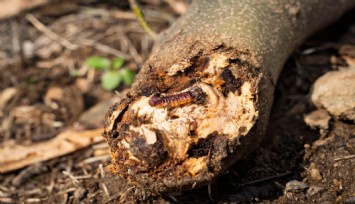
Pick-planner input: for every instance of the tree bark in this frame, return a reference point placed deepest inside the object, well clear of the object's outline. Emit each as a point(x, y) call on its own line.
point(203, 98)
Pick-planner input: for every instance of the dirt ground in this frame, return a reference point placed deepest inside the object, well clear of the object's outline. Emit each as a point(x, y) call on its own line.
point(295, 164)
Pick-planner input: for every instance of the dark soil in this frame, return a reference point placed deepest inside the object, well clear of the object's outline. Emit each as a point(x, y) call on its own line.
point(322, 161)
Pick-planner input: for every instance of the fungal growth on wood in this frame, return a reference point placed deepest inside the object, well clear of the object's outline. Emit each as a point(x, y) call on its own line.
point(202, 100)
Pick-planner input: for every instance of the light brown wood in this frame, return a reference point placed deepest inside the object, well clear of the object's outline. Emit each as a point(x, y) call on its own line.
point(11, 8)
point(15, 156)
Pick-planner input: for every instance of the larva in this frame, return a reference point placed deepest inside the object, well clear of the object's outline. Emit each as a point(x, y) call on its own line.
point(195, 95)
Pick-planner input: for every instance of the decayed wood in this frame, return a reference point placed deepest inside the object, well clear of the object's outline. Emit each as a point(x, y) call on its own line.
point(162, 139)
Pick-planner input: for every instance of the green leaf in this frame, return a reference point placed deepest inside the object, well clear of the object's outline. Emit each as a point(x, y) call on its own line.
point(117, 63)
point(127, 76)
point(110, 80)
point(98, 62)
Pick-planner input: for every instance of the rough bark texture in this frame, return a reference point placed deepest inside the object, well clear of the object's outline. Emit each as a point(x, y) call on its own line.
point(202, 100)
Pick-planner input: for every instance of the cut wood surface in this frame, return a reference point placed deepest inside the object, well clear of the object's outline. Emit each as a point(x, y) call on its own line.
point(13, 157)
point(11, 8)
point(202, 100)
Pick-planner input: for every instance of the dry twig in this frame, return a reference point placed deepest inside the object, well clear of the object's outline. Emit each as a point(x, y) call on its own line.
point(17, 156)
point(264, 179)
point(104, 48)
point(49, 33)
point(71, 176)
point(345, 157)
point(132, 50)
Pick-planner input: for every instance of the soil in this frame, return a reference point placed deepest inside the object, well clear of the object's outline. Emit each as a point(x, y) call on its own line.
point(295, 163)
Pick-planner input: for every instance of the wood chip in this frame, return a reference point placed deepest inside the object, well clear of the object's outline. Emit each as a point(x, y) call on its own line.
point(13, 7)
point(13, 157)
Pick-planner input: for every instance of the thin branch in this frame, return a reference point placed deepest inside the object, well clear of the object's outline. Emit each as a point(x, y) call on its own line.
point(49, 33)
point(345, 157)
point(95, 159)
point(104, 48)
point(210, 192)
point(135, 8)
point(33, 200)
point(264, 179)
point(105, 190)
point(131, 49)
point(74, 180)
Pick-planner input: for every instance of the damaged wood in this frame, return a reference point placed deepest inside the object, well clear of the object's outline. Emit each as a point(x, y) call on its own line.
point(161, 140)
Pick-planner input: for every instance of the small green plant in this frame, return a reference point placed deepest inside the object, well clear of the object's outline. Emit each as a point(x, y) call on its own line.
point(113, 71)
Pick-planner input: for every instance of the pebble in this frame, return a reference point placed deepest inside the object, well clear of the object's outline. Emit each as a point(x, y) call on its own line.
point(314, 190)
point(295, 186)
point(318, 119)
point(335, 92)
point(315, 175)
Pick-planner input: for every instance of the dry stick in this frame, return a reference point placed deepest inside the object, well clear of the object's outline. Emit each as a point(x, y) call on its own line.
point(264, 179)
point(108, 13)
point(209, 189)
point(74, 180)
point(345, 157)
point(152, 16)
point(105, 190)
point(132, 50)
point(16, 41)
point(49, 33)
point(95, 159)
point(33, 200)
point(104, 48)
point(203, 98)
point(13, 157)
point(52, 183)
point(65, 191)
point(52, 35)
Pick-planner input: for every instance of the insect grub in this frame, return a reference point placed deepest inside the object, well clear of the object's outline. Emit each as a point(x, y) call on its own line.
point(195, 95)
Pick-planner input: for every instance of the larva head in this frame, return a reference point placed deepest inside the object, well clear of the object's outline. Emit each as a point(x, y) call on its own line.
point(184, 134)
point(198, 95)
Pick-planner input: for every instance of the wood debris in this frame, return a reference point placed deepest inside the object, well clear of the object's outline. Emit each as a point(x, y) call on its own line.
point(15, 156)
